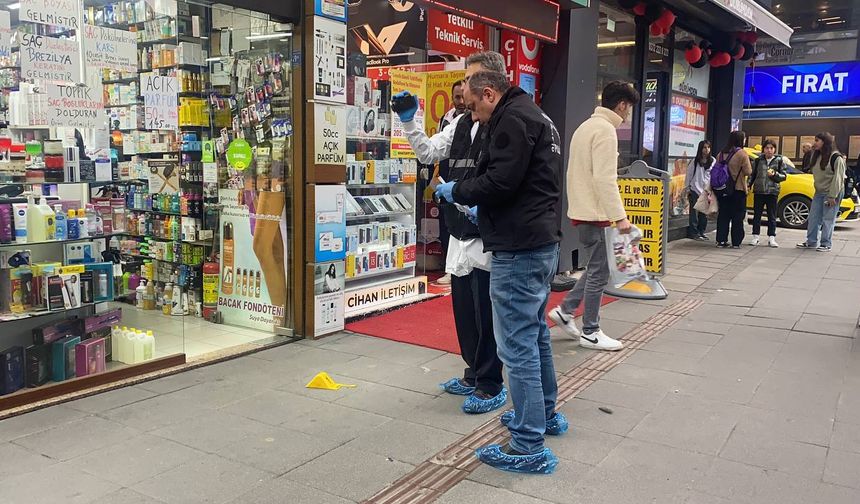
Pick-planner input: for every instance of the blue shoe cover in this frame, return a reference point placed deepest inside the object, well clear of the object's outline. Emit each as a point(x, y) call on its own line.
point(556, 426)
point(539, 463)
point(456, 387)
point(475, 406)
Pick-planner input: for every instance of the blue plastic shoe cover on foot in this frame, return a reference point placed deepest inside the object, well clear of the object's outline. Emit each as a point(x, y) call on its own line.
point(555, 426)
point(456, 387)
point(539, 463)
point(475, 406)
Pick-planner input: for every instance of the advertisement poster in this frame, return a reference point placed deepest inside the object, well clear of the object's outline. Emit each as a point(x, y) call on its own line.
point(330, 134)
point(689, 80)
point(643, 201)
point(361, 301)
point(388, 33)
point(330, 223)
point(523, 60)
point(439, 99)
point(109, 48)
point(330, 60)
point(51, 12)
point(329, 285)
point(50, 59)
point(688, 120)
point(415, 83)
point(163, 177)
point(335, 9)
point(253, 275)
point(802, 85)
point(452, 34)
point(160, 102)
point(76, 107)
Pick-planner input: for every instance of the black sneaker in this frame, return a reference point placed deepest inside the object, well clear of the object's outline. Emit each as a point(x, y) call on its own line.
point(704, 237)
point(722, 244)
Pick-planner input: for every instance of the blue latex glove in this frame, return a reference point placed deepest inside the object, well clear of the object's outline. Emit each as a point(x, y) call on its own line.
point(444, 191)
point(409, 114)
point(472, 214)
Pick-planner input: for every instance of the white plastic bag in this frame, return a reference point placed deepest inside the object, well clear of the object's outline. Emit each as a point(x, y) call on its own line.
point(624, 255)
point(466, 255)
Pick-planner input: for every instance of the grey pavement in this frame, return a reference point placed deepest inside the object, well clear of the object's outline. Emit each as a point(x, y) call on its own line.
point(754, 397)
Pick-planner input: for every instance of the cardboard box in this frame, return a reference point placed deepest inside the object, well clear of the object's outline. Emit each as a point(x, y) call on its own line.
point(37, 360)
point(90, 357)
point(63, 358)
point(11, 370)
point(51, 332)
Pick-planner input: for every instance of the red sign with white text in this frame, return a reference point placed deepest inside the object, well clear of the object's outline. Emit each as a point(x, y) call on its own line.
point(453, 34)
point(523, 60)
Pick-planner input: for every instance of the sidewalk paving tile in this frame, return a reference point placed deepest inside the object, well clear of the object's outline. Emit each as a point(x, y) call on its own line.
point(109, 400)
point(584, 413)
point(276, 449)
point(443, 412)
point(349, 473)
point(16, 460)
point(843, 468)
point(336, 423)
point(747, 484)
point(622, 394)
point(469, 491)
point(793, 457)
point(63, 442)
point(126, 496)
point(835, 494)
point(207, 478)
point(274, 407)
point(846, 437)
point(822, 324)
point(679, 348)
point(686, 336)
point(150, 414)
point(686, 422)
point(277, 490)
point(581, 444)
point(656, 379)
point(37, 421)
point(60, 483)
point(665, 361)
point(797, 395)
point(212, 431)
point(383, 399)
point(557, 487)
point(174, 382)
point(404, 441)
point(136, 459)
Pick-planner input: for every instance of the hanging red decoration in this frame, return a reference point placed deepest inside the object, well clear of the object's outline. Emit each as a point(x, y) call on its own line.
point(656, 30)
point(740, 53)
point(666, 19)
point(693, 54)
point(639, 9)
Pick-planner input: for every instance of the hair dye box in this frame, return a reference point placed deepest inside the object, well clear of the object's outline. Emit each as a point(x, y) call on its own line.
point(90, 357)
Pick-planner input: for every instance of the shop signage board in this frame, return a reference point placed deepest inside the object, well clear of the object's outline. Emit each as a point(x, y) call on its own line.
point(523, 60)
point(63, 13)
point(329, 60)
point(335, 9)
point(453, 34)
point(5, 35)
point(109, 48)
point(803, 85)
point(329, 223)
point(160, 101)
point(804, 113)
point(644, 200)
point(688, 120)
point(415, 83)
point(386, 32)
point(370, 299)
point(76, 107)
point(50, 59)
point(533, 18)
point(252, 291)
point(329, 134)
point(439, 99)
point(329, 285)
point(808, 48)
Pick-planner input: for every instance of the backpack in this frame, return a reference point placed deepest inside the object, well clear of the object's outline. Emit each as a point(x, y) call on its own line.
point(720, 176)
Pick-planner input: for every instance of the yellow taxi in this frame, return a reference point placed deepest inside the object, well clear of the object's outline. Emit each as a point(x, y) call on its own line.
point(795, 197)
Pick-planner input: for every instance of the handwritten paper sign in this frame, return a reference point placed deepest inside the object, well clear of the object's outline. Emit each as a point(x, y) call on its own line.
point(109, 48)
point(160, 101)
point(5, 38)
point(49, 58)
point(51, 12)
point(75, 107)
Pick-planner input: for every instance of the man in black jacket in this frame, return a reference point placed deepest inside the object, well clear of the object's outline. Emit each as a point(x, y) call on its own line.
point(518, 194)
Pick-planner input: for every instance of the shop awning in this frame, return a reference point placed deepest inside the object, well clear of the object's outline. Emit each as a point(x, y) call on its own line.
point(759, 17)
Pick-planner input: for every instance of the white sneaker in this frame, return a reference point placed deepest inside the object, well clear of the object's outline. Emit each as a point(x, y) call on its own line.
point(754, 242)
point(771, 242)
point(599, 341)
point(444, 280)
point(565, 322)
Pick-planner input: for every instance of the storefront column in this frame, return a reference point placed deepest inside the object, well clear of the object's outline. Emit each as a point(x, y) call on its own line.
point(571, 70)
point(729, 94)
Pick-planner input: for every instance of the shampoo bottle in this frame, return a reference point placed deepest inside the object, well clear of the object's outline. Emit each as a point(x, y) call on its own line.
point(72, 228)
point(20, 222)
point(83, 224)
point(227, 280)
point(47, 219)
point(35, 223)
point(62, 232)
point(92, 224)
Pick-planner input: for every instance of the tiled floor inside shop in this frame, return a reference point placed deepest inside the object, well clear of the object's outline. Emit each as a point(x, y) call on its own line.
point(193, 336)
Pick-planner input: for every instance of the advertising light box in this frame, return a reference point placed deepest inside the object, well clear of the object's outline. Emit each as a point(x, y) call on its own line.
point(803, 85)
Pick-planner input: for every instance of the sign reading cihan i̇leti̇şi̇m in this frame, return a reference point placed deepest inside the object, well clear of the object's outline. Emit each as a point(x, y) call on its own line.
point(644, 201)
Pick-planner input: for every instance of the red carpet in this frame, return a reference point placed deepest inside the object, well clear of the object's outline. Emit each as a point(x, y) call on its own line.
point(429, 324)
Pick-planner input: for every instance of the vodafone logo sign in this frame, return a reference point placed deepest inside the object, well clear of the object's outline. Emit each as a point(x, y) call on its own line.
point(530, 52)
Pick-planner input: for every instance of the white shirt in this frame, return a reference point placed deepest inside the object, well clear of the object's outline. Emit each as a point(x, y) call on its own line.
point(463, 255)
point(697, 176)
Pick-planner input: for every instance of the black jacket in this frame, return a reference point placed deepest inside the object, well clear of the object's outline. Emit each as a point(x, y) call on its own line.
point(518, 183)
point(461, 165)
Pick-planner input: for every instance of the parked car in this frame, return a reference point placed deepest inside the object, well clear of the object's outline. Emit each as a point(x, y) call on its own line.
point(795, 197)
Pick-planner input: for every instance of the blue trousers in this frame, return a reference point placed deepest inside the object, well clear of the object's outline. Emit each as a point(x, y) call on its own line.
point(822, 219)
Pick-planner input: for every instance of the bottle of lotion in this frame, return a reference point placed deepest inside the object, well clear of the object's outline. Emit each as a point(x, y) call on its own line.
point(60, 221)
point(72, 228)
point(47, 219)
point(83, 224)
point(20, 221)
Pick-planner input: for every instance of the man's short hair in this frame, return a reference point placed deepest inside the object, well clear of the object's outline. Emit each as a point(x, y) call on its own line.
point(490, 61)
point(493, 80)
point(458, 83)
point(767, 142)
point(618, 91)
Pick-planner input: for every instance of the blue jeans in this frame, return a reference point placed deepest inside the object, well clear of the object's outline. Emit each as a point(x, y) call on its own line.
point(821, 218)
point(519, 289)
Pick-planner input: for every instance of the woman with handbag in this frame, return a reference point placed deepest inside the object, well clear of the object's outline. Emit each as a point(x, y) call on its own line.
point(729, 181)
point(768, 173)
point(698, 178)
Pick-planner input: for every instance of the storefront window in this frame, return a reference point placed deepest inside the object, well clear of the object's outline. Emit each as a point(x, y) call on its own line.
point(616, 59)
point(688, 119)
point(145, 168)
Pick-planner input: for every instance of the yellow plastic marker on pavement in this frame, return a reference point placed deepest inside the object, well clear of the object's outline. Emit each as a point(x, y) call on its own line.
point(324, 381)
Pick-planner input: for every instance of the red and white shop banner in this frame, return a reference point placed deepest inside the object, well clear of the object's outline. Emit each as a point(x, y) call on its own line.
point(453, 34)
point(523, 60)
